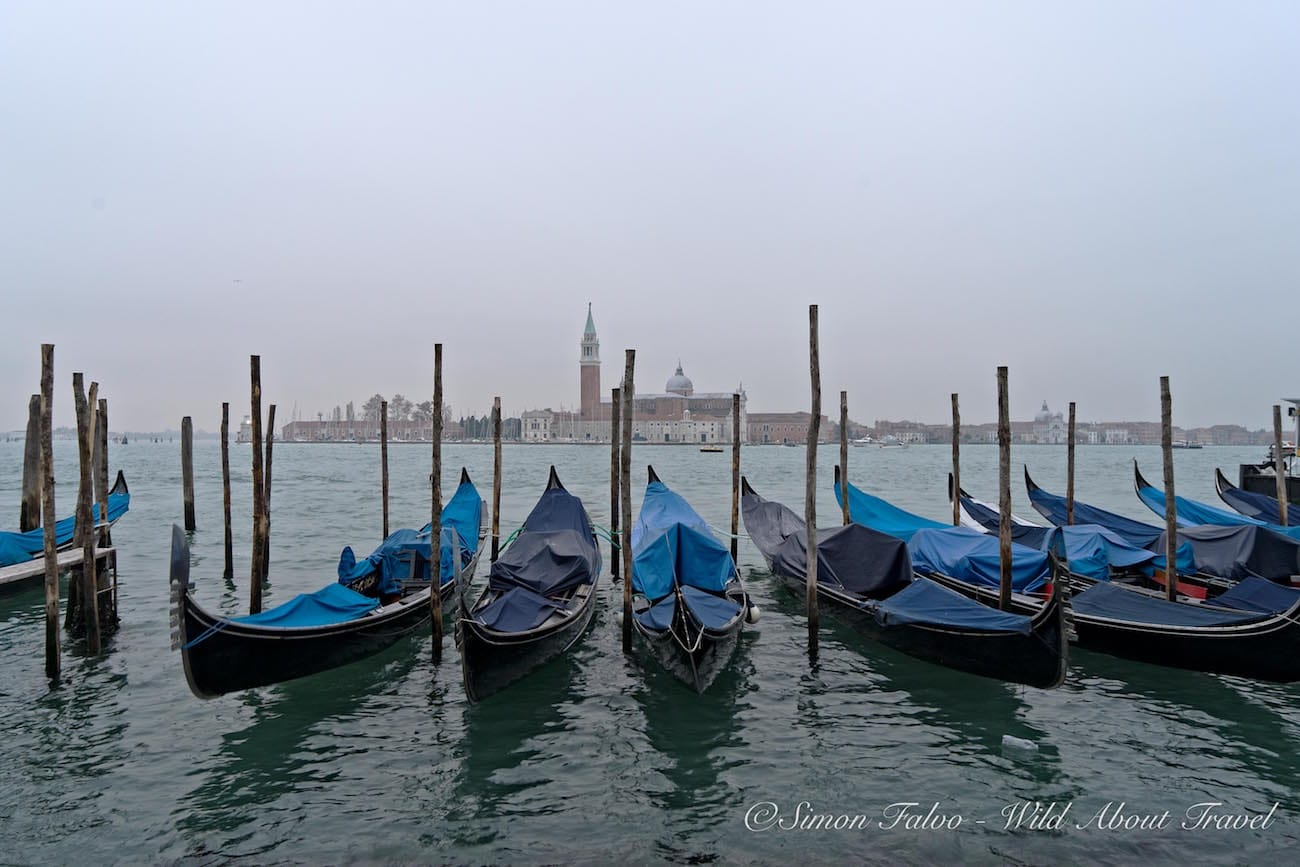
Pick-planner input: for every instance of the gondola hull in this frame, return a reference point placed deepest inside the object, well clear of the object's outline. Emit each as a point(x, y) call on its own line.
point(1038, 659)
point(698, 667)
point(491, 661)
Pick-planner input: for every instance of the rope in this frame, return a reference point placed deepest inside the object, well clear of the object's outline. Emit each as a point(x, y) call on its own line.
point(207, 633)
point(608, 535)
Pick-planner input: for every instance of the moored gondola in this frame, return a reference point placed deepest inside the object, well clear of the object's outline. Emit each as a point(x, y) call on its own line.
point(1191, 513)
point(1261, 507)
point(867, 579)
point(1236, 635)
point(689, 602)
point(336, 625)
point(540, 597)
point(21, 547)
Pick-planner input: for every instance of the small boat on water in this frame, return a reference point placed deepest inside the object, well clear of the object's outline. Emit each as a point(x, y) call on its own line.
point(1261, 507)
point(712, 449)
point(868, 579)
point(540, 597)
point(20, 547)
point(1251, 630)
point(689, 602)
point(1191, 513)
point(374, 602)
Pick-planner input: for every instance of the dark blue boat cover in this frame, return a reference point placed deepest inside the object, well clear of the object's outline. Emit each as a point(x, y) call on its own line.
point(659, 617)
point(884, 516)
point(461, 518)
point(1240, 551)
point(925, 602)
point(1261, 507)
point(709, 610)
point(1117, 603)
point(976, 558)
point(516, 610)
point(1258, 594)
point(1135, 533)
point(333, 603)
point(1090, 549)
point(555, 550)
point(1190, 513)
point(855, 558)
point(672, 546)
point(21, 547)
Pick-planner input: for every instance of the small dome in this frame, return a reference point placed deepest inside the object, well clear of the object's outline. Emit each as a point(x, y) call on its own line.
point(679, 383)
point(1044, 414)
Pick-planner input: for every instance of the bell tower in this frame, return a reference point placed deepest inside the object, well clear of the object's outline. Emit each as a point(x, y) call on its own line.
point(589, 370)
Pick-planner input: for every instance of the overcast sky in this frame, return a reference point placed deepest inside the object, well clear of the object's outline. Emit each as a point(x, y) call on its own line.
point(1094, 194)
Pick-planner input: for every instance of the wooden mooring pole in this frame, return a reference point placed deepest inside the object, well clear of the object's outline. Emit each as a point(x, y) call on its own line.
point(53, 660)
point(810, 489)
point(107, 613)
point(435, 521)
point(89, 602)
point(1004, 491)
point(29, 516)
point(255, 572)
point(1279, 462)
point(625, 500)
point(383, 462)
point(266, 495)
point(228, 573)
point(187, 471)
point(844, 456)
point(615, 479)
point(1069, 471)
point(496, 477)
point(1171, 507)
point(735, 479)
point(956, 461)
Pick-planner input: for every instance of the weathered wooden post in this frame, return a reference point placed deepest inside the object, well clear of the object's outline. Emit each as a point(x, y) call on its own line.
point(29, 517)
point(256, 572)
point(615, 479)
point(956, 462)
point(187, 471)
point(229, 572)
point(89, 601)
point(53, 661)
point(266, 495)
point(1279, 463)
point(435, 521)
point(625, 480)
point(735, 479)
point(810, 492)
point(100, 466)
point(1069, 471)
point(844, 455)
point(1004, 491)
point(1171, 507)
point(496, 477)
point(383, 461)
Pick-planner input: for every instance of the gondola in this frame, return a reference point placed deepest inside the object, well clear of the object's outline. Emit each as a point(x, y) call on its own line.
point(689, 602)
point(540, 597)
point(1261, 507)
point(1243, 633)
point(1190, 513)
point(374, 603)
point(867, 579)
point(21, 547)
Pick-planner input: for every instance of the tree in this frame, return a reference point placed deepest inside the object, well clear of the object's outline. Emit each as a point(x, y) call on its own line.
point(399, 408)
point(370, 409)
point(423, 412)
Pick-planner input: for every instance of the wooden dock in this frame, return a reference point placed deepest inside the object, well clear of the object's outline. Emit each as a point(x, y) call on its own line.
point(34, 570)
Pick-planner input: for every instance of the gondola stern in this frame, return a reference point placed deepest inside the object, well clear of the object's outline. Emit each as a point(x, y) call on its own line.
point(553, 481)
point(119, 485)
point(651, 475)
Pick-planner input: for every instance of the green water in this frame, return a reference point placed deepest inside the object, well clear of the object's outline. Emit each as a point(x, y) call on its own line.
point(597, 757)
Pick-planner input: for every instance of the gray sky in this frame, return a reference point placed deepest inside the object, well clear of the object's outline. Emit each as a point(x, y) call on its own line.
point(1094, 195)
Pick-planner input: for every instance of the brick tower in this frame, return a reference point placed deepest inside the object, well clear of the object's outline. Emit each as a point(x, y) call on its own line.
point(589, 368)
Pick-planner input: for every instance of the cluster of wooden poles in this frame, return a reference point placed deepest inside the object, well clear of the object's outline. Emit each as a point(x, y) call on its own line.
point(92, 593)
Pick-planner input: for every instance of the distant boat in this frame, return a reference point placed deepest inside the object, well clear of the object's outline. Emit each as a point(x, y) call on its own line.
point(892, 442)
point(710, 448)
point(1187, 444)
point(867, 440)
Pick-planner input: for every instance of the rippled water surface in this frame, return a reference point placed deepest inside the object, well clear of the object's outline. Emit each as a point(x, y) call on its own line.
point(597, 756)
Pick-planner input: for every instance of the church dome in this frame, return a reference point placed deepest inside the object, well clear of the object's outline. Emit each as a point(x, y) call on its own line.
point(680, 383)
point(1044, 414)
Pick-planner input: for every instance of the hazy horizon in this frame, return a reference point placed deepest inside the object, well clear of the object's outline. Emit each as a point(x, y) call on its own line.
point(1094, 195)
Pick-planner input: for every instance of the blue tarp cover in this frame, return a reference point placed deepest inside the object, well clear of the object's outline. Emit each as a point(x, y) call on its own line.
point(391, 560)
point(333, 603)
point(659, 616)
point(925, 602)
point(554, 552)
point(884, 516)
point(1241, 550)
point(1117, 603)
point(673, 546)
point(516, 610)
point(975, 557)
point(1261, 507)
point(1190, 513)
point(1258, 594)
point(710, 611)
point(21, 547)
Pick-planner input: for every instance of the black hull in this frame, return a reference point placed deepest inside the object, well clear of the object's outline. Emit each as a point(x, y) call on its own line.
point(1265, 650)
point(1038, 659)
point(696, 668)
point(490, 661)
point(1253, 480)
